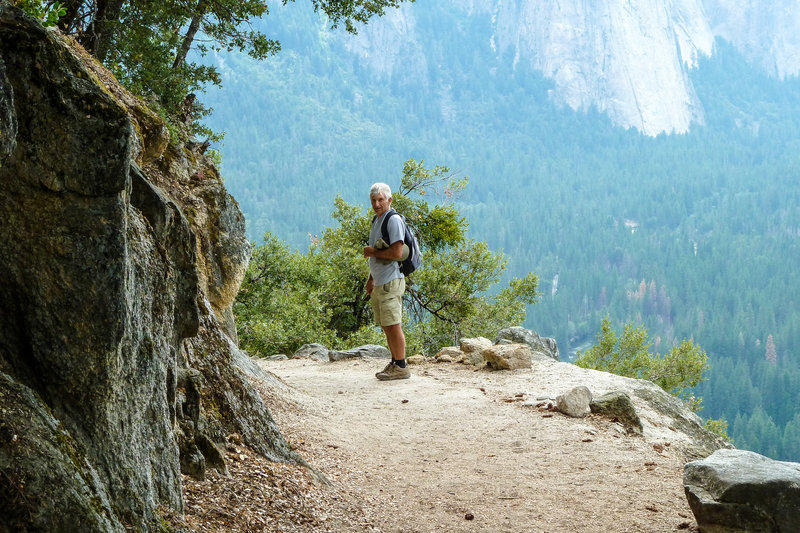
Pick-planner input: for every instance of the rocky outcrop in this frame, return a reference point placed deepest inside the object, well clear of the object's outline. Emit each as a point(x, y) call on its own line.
point(631, 63)
point(314, 350)
point(368, 350)
point(119, 255)
point(628, 61)
point(639, 406)
point(515, 347)
point(541, 345)
point(321, 353)
point(735, 491)
point(472, 350)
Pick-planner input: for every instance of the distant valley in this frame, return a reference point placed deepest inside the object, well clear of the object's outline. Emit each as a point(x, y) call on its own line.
point(646, 160)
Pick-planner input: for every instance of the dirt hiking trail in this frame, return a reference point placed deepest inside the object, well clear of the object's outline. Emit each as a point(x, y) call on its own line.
point(453, 449)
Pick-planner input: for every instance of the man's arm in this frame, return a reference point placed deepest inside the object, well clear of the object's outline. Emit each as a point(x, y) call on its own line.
point(392, 253)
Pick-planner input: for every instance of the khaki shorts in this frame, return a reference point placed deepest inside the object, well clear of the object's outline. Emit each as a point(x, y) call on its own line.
point(387, 302)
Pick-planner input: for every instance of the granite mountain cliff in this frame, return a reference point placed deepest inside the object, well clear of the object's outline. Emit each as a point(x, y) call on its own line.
point(628, 60)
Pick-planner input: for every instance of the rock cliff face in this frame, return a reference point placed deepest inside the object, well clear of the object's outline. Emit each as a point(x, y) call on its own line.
point(765, 32)
point(120, 255)
point(629, 60)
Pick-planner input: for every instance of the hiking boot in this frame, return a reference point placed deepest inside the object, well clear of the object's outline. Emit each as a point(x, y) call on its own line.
point(393, 372)
point(386, 368)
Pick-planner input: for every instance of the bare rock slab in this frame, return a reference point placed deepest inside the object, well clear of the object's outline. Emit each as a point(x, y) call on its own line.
point(315, 351)
point(742, 491)
point(449, 354)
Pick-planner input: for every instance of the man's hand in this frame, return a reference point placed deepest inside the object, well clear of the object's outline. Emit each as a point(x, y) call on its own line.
point(370, 285)
point(369, 251)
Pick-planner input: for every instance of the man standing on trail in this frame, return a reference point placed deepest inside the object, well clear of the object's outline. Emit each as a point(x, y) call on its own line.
point(386, 283)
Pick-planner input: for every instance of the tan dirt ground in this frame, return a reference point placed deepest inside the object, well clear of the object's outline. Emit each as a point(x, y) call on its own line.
point(450, 450)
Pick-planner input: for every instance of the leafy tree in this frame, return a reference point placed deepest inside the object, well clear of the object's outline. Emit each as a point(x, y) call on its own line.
point(343, 270)
point(718, 426)
point(629, 355)
point(446, 298)
point(278, 307)
point(146, 43)
point(451, 291)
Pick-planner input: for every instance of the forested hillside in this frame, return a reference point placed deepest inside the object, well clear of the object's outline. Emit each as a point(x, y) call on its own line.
point(694, 236)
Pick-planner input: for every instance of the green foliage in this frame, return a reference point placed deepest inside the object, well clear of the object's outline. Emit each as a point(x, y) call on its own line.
point(351, 12)
point(338, 256)
point(448, 297)
point(436, 227)
point(718, 427)
point(629, 355)
point(278, 308)
point(150, 42)
point(47, 12)
point(147, 43)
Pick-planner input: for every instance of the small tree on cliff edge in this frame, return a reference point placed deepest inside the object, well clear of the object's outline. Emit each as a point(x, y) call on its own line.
point(629, 355)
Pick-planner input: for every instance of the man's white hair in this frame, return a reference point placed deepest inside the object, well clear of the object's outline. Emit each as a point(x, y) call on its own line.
point(380, 188)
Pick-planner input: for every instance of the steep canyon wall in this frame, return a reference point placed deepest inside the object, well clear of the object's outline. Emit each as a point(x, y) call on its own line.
point(120, 255)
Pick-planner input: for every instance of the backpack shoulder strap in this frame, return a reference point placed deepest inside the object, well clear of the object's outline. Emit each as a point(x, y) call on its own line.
point(384, 226)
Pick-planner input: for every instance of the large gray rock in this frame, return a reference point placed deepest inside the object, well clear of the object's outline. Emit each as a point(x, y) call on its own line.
point(575, 402)
point(223, 251)
point(618, 406)
point(539, 345)
point(741, 491)
point(94, 294)
point(589, 50)
point(650, 92)
point(765, 33)
point(368, 350)
point(116, 371)
point(312, 351)
point(43, 473)
point(450, 354)
point(677, 418)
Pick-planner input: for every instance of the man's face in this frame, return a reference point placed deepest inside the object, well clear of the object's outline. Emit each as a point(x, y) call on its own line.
point(380, 204)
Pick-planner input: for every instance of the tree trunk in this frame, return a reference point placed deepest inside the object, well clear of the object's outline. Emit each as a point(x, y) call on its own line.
point(186, 45)
point(97, 38)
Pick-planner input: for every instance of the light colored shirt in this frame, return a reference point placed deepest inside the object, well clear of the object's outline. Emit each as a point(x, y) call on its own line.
point(384, 271)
